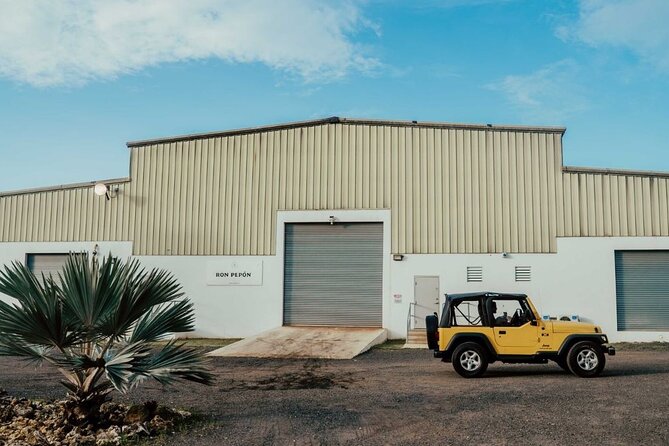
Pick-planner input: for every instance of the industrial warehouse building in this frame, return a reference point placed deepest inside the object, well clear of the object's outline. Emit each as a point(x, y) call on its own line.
point(363, 223)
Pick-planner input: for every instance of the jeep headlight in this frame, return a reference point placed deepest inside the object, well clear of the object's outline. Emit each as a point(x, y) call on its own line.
point(598, 330)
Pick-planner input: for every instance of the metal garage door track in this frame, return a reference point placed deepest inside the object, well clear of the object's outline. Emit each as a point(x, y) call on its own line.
point(306, 342)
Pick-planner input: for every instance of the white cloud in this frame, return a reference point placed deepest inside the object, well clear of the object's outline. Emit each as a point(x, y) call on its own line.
point(550, 94)
point(67, 42)
point(641, 26)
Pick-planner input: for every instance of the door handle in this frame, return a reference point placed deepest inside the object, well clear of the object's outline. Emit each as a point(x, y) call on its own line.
point(502, 332)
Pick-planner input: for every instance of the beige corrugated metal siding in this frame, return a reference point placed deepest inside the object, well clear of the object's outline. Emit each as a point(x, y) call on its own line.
point(64, 215)
point(450, 189)
point(600, 204)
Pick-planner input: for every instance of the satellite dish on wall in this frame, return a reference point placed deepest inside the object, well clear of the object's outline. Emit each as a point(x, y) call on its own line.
point(101, 189)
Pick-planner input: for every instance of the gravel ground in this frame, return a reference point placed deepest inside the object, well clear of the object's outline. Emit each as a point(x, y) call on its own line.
point(406, 397)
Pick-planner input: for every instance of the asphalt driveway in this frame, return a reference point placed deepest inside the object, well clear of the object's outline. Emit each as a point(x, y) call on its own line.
point(406, 397)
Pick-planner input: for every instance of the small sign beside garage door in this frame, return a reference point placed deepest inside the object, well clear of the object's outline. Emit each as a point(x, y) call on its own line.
point(234, 272)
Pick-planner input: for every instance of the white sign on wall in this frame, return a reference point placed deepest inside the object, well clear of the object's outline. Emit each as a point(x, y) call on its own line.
point(234, 272)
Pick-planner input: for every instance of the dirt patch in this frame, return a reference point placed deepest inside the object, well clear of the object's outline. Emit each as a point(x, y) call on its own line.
point(310, 376)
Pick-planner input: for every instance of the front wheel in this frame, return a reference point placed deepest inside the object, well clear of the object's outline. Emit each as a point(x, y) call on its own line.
point(470, 360)
point(586, 359)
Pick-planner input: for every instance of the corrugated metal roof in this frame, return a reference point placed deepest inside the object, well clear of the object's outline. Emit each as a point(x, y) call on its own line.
point(605, 171)
point(34, 190)
point(354, 121)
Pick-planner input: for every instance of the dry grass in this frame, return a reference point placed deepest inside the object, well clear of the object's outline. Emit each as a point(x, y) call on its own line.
point(642, 346)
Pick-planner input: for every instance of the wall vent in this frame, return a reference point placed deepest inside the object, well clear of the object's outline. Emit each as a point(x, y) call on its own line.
point(474, 274)
point(523, 274)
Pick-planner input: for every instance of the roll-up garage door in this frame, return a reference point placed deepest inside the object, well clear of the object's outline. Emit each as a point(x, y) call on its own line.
point(333, 274)
point(642, 290)
point(47, 264)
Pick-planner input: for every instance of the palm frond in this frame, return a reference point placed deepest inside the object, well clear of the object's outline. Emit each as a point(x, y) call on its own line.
point(89, 293)
point(173, 362)
point(76, 285)
point(176, 317)
point(38, 317)
point(17, 281)
point(13, 346)
point(110, 285)
point(143, 291)
point(121, 365)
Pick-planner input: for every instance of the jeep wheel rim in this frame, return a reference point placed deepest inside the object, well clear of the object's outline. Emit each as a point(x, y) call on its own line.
point(587, 359)
point(470, 360)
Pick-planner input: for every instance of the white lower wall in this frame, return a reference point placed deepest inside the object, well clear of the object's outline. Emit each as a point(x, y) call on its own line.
point(227, 311)
point(578, 279)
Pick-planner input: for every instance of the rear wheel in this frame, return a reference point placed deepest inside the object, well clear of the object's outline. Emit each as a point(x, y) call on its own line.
point(586, 359)
point(470, 360)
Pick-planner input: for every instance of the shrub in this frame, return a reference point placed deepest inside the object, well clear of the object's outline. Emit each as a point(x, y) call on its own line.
point(97, 324)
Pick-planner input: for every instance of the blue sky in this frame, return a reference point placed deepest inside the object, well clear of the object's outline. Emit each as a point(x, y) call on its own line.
point(78, 81)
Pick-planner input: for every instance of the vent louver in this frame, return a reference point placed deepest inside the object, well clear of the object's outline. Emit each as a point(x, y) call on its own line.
point(523, 273)
point(474, 274)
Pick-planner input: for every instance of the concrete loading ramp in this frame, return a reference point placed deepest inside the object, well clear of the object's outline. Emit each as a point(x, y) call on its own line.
point(306, 342)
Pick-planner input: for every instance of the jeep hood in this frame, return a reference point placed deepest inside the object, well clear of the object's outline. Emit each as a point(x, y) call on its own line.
point(572, 327)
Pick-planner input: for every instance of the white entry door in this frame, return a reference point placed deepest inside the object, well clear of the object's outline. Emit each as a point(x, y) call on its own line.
point(426, 298)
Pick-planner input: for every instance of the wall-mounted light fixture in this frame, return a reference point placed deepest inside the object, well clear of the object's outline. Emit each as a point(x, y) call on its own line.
point(108, 191)
point(332, 219)
point(398, 257)
point(505, 254)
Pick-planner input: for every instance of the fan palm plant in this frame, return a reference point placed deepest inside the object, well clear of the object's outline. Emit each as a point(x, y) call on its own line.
point(96, 323)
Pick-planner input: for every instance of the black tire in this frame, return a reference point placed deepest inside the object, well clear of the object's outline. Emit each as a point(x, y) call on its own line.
point(586, 359)
point(470, 360)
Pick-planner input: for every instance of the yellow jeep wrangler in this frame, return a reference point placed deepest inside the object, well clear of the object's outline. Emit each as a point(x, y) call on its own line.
point(477, 329)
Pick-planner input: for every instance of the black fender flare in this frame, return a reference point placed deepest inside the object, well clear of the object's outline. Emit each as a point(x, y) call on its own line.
point(572, 339)
point(479, 338)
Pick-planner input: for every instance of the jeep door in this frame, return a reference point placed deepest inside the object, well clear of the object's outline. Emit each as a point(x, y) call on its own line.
point(515, 329)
